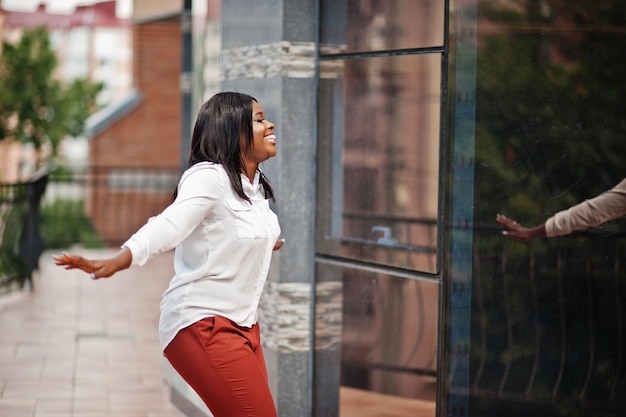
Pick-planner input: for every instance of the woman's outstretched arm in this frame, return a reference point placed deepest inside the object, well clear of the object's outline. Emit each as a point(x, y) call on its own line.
point(96, 268)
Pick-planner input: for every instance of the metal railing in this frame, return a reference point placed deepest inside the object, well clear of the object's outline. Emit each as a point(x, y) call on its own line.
point(100, 207)
point(105, 204)
point(548, 319)
point(20, 241)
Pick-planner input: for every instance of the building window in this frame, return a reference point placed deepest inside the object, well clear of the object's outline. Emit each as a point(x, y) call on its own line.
point(379, 132)
point(381, 91)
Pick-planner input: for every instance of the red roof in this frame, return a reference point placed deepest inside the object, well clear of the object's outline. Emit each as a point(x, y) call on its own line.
point(98, 14)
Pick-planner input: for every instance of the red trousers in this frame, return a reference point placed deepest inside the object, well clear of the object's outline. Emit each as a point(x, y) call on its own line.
point(224, 364)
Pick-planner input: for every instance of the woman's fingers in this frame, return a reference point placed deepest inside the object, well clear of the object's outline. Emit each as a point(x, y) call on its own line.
point(102, 268)
point(74, 262)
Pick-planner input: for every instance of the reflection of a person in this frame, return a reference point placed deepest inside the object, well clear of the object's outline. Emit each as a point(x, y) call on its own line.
point(607, 206)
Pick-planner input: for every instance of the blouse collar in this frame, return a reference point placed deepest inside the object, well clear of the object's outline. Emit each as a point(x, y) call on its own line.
point(250, 188)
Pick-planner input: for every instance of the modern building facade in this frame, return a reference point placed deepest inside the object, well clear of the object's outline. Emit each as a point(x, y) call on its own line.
point(403, 128)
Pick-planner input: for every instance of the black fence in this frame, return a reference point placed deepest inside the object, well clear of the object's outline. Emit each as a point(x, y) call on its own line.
point(100, 207)
point(20, 239)
point(103, 206)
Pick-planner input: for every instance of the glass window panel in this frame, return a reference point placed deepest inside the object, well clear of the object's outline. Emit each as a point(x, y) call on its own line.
point(368, 25)
point(379, 160)
point(546, 336)
point(388, 334)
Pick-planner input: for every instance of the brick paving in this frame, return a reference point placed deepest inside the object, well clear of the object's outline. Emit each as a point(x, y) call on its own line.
point(80, 348)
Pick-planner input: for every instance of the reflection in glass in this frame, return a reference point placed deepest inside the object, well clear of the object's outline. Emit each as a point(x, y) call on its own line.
point(548, 326)
point(379, 160)
point(388, 339)
point(364, 25)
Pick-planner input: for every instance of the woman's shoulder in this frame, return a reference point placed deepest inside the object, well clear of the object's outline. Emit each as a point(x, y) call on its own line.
point(205, 169)
point(204, 177)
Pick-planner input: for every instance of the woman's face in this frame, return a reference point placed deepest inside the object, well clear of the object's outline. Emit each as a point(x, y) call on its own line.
point(263, 138)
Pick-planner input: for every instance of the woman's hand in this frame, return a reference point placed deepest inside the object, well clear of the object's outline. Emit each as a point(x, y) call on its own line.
point(102, 268)
point(516, 230)
point(279, 244)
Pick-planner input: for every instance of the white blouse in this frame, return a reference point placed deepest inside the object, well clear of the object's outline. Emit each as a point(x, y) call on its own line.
point(223, 249)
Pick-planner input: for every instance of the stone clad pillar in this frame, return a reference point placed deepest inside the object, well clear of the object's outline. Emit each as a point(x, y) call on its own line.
point(268, 51)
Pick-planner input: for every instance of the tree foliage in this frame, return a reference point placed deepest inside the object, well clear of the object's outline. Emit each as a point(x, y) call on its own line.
point(36, 107)
point(550, 113)
point(550, 132)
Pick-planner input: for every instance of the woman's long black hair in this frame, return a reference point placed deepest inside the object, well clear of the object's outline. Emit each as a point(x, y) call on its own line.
point(221, 121)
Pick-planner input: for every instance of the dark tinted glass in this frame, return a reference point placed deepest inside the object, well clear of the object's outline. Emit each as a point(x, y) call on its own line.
point(539, 328)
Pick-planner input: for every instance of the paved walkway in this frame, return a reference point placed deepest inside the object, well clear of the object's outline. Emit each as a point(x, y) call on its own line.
point(80, 348)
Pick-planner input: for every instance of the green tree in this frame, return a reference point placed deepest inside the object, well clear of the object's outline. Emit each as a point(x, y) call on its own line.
point(550, 133)
point(549, 110)
point(35, 107)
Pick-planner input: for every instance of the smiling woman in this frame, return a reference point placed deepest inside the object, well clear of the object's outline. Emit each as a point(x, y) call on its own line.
point(223, 232)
